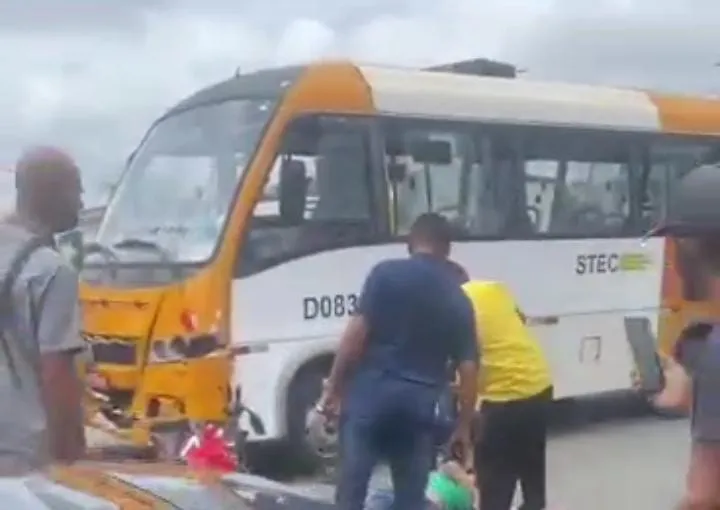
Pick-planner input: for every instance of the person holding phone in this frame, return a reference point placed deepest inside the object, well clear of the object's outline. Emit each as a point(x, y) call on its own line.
point(692, 371)
point(692, 385)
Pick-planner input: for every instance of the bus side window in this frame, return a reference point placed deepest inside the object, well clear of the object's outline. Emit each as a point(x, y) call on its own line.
point(333, 154)
point(667, 161)
point(438, 170)
point(577, 184)
point(502, 209)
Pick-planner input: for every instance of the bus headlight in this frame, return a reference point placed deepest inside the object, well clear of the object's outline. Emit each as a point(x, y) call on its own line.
point(181, 348)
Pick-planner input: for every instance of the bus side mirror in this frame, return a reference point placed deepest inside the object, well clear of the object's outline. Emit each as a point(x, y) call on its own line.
point(292, 191)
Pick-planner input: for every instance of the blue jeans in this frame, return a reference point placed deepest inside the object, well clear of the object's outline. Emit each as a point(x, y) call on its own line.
point(394, 425)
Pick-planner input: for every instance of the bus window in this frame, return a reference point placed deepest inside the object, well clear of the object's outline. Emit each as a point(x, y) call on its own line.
point(434, 169)
point(333, 155)
point(541, 178)
point(577, 184)
point(177, 190)
point(667, 161)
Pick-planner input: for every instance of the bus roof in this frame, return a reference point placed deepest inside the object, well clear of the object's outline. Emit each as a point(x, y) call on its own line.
point(261, 84)
point(344, 87)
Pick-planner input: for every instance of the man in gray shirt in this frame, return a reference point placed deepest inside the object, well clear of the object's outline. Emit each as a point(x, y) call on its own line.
point(40, 390)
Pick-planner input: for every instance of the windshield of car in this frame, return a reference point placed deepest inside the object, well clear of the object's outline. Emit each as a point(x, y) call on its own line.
point(173, 199)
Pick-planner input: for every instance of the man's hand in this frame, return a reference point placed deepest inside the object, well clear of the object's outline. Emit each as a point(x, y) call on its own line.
point(96, 381)
point(676, 393)
point(329, 403)
point(460, 444)
point(352, 346)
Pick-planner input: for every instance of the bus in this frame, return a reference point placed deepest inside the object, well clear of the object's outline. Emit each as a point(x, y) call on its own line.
point(252, 211)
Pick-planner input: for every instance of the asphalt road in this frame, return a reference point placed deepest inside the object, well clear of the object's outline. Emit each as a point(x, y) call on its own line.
point(604, 455)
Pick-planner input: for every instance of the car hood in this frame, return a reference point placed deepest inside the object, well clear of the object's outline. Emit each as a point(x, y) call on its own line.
point(149, 486)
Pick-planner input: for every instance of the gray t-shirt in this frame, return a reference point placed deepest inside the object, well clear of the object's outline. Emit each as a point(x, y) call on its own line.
point(46, 320)
point(699, 353)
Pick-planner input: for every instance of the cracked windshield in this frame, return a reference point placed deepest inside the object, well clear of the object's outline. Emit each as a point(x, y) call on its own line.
point(177, 190)
point(362, 255)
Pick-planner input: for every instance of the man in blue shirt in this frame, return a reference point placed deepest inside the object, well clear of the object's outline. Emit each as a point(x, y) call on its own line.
point(391, 367)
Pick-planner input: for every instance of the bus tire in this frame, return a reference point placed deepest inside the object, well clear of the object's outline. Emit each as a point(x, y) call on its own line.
point(303, 394)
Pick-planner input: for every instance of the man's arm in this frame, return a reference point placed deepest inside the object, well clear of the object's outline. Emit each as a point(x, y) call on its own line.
point(354, 338)
point(467, 358)
point(352, 345)
point(59, 342)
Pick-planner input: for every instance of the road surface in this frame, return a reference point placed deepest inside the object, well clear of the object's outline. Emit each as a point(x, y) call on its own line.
point(623, 460)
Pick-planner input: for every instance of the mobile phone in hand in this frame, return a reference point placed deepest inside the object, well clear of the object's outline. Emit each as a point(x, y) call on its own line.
point(644, 351)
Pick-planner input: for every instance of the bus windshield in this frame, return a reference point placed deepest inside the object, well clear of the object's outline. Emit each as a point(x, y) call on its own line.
point(173, 199)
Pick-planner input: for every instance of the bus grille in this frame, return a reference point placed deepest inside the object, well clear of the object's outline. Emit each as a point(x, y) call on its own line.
point(113, 350)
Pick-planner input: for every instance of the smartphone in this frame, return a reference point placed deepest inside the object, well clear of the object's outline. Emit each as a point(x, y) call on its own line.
point(638, 332)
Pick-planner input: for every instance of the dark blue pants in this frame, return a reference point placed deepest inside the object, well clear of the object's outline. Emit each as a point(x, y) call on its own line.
point(395, 426)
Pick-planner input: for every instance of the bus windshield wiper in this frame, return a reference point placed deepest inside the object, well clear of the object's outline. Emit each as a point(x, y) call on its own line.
point(96, 247)
point(144, 244)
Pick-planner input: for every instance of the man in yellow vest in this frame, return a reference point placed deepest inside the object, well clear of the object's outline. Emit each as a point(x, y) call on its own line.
point(516, 392)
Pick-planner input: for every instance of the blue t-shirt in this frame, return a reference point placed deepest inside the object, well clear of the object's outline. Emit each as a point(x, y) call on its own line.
point(419, 320)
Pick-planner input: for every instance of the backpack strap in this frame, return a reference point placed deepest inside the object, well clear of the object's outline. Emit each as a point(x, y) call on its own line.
point(6, 295)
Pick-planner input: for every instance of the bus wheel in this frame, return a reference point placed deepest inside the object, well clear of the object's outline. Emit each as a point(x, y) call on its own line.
point(308, 451)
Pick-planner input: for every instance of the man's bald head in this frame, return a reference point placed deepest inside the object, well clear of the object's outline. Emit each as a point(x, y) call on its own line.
point(39, 165)
point(49, 187)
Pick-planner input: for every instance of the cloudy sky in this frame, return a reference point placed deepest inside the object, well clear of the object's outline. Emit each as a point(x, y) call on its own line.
point(91, 75)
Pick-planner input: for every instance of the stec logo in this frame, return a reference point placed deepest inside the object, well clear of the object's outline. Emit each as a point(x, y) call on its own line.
point(605, 263)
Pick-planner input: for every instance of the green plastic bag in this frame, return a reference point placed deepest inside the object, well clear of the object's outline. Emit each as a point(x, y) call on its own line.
point(453, 496)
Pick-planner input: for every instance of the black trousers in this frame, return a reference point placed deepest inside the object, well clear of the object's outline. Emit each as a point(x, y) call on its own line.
point(510, 448)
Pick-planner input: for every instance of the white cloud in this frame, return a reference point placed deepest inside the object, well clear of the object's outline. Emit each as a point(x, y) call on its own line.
point(304, 39)
point(95, 91)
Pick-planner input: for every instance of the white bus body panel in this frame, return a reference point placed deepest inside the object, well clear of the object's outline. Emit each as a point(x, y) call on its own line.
point(586, 345)
point(412, 93)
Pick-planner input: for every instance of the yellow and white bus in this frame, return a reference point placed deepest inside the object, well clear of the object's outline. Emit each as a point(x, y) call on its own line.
point(253, 209)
